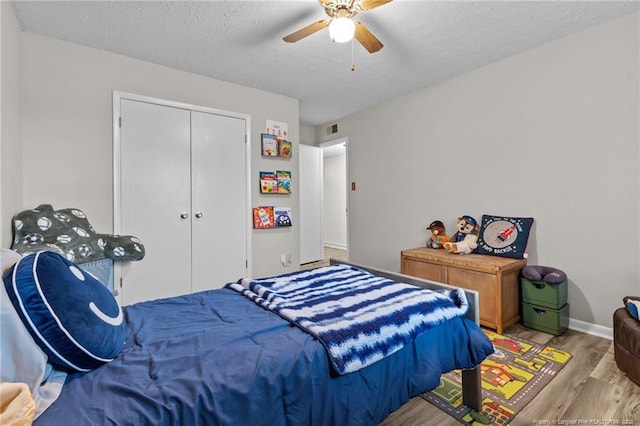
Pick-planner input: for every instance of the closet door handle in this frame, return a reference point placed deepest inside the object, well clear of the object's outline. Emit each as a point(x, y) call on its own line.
point(184, 215)
point(198, 215)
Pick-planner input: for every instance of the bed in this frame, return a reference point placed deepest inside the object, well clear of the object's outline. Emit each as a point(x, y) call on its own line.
point(219, 358)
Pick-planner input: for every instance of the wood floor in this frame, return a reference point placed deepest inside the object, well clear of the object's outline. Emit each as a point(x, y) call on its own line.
point(329, 253)
point(590, 390)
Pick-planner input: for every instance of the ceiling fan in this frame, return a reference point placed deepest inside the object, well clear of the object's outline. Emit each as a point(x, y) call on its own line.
point(341, 25)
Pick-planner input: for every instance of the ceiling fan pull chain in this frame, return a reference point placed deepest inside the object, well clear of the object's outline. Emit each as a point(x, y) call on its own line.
point(353, 65)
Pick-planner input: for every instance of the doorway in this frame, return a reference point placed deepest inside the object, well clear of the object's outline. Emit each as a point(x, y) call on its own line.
point(334, 194)
point(323, 203)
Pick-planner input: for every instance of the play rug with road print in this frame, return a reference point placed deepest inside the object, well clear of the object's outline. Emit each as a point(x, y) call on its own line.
point(511, 377)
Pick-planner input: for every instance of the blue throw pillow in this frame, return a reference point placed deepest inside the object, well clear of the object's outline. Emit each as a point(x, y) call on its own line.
point(633, 306)
point(74, 319)
point(504, 236)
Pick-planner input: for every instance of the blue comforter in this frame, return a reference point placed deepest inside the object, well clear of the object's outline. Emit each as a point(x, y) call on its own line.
point(216, 358)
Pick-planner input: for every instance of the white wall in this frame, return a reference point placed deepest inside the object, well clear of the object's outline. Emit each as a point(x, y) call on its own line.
point(335, 201)
point(67, 136)
point(307, 135)
point(10, 121)
point(551, 133)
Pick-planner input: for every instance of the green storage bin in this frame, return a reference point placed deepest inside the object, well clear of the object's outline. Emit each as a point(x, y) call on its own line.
point(543, 294)
point(554, 321)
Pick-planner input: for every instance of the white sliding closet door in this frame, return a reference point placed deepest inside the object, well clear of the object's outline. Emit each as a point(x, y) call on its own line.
point(219, 187)
point(183, 179)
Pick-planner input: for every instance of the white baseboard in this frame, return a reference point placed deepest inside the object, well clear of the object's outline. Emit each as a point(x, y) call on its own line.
point(335, 245)
point(593, 329)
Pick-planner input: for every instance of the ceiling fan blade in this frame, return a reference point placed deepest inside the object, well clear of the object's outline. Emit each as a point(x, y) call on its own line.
point(306, 31)
point(366, 38)
point(372, 4)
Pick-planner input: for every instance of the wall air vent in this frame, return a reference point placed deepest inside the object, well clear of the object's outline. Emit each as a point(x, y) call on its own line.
point(332, 129)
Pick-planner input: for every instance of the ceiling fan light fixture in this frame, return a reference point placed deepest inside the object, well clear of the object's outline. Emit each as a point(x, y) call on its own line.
point(341, 29)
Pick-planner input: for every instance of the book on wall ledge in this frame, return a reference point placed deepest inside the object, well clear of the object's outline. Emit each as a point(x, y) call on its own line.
point(284, 181)
point(285, 148)
point(263, 217)
point(269, 145)
point(282, 216)
point(268, 183)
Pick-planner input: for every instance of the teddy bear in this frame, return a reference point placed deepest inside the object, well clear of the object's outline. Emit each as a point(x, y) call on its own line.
point(438, 235)
point(465, 240)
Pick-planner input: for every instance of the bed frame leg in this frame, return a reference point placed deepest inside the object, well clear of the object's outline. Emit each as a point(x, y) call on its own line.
point(472, 389)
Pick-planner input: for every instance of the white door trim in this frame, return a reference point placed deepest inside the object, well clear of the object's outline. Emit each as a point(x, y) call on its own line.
point(117, 191)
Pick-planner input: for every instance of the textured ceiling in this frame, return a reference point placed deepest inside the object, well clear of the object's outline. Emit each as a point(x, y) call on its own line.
point(241, 41)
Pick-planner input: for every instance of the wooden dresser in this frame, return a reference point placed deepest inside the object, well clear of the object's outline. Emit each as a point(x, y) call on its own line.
point(495, 278)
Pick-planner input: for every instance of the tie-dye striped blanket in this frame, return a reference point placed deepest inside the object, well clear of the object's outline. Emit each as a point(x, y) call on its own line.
point(360, 318)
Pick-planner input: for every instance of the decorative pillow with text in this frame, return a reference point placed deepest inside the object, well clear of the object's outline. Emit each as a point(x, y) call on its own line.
point(504, 236)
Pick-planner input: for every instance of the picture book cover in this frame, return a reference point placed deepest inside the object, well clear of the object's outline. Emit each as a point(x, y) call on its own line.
point(268, 183)
point(285, 148)
point(269, 145)
point(284, 181)
point(283, 216)
point(263, 217)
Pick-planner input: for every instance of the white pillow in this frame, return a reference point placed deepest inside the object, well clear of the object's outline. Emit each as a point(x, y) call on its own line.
point(7, 259)
point(21, 359)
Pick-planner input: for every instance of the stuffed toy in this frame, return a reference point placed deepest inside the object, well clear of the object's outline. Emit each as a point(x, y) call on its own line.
point(438, 235)
point(465, 240)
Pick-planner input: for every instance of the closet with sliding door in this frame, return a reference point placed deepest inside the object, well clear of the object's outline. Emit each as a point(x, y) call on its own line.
point(181, 186)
